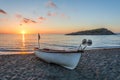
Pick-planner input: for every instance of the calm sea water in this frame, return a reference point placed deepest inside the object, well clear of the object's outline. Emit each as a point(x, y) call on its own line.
point(26, 43)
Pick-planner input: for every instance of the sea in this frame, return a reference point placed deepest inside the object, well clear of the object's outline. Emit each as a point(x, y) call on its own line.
point(25, 43)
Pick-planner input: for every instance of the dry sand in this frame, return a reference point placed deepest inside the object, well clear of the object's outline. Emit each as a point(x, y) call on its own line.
point(93, 65)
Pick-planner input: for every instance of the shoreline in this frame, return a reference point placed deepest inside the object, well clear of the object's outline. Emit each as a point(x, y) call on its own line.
point(93, 65)
point(10, 52)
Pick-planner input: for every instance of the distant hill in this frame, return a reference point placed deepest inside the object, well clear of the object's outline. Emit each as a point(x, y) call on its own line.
point(100, 31)
point(118, 33)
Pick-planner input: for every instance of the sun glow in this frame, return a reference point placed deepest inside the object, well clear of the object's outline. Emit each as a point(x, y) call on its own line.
point(23, 32)
point(23, 40)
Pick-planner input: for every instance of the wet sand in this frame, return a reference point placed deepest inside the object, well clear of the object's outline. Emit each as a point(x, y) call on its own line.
point(101, 64)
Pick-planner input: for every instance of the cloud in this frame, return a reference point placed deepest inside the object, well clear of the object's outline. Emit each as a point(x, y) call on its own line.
point(26, 20)
point(55, 14)
point(2, 11)
point(64, 16)
point(52, 14)
point(51, 4)
point(18, 15)
point(42, 18)
point(3, 19)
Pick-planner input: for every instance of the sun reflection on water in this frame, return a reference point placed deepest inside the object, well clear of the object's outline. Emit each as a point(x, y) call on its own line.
point(23, 45)
point(23, 40)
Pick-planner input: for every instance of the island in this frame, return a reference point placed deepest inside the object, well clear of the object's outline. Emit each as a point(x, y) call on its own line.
point(99, 31)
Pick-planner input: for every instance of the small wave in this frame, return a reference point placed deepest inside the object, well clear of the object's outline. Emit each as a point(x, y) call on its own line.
point(10, 53)
point(14, 51)
point(56, 45)
point(106, 47)
point(4, 50)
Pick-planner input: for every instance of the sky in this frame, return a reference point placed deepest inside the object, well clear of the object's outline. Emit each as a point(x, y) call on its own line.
point(58, 16)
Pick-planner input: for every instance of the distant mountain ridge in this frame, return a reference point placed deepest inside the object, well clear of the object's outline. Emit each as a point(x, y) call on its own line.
point(118, 33)
point(99, 31)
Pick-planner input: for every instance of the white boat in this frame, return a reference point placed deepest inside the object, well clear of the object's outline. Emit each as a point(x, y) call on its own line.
point(67, 59)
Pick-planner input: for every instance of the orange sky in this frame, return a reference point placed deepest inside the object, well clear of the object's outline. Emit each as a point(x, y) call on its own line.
point(58, 16)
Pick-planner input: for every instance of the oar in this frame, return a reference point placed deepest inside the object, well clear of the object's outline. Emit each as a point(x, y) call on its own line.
point(79, 47)
point(88, 43)
point(84, 41)
point(38, 40)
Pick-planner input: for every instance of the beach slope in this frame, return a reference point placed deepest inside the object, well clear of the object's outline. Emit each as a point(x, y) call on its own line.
point(103, 64)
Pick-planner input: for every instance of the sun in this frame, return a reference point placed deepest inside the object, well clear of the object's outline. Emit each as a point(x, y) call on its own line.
point(23, 32)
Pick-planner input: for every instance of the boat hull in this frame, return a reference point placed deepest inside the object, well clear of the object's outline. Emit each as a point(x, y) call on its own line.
point(67, 60)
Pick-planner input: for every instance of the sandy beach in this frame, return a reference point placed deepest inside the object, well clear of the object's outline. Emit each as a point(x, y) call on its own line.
point(103, 64)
